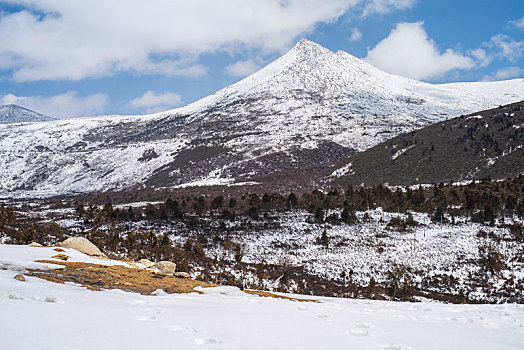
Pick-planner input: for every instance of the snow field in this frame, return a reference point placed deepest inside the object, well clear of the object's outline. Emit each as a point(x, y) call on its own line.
point(37, 314)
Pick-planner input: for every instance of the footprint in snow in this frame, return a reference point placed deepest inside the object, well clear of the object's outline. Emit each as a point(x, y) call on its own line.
point(183, 329)
point(207, 341)
point(395, 347)
point(15, 296)
point(360, 333)
point(145, 318)
point(362, 325)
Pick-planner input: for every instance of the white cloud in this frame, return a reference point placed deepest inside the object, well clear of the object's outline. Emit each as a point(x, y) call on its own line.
point(408, 51)
point(68, 104)
point(73, 40)
point(481, 57)
point(382, 7)
point(356, 35)
point(154, 102)
point(505, 73)
point(507, 47)
point(519, 23)
point(242, 68)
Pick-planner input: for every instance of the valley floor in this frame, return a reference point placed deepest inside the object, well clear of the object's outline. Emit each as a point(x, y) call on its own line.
point(38, 314)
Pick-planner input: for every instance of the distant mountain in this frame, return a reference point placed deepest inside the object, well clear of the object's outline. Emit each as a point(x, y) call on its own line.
point(285, 124)
point(483, 144)
point(10, 114)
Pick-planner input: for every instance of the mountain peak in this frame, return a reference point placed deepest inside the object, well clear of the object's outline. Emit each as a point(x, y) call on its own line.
point(12, 113)
point(308, 47)
point(305, 43)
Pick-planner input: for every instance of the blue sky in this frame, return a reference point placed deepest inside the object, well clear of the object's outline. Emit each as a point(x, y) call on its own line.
point(73, 58)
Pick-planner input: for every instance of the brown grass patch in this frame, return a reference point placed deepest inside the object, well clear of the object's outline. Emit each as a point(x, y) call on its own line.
point(98, 277)
point(61, 257)
point(262, 293)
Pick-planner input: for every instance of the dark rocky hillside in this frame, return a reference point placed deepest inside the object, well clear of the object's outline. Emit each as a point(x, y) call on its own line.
point(483, 144)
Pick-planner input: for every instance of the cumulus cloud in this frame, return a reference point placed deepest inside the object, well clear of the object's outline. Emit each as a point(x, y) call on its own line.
point(519, 23)
point(154, 102)
point(382, 7)
point(408, 51)
point(242, 68)
point(505, 73)
point(356, 35)
point(482, 58)
point(506, 46)
point(73, 40)
point(64, 105)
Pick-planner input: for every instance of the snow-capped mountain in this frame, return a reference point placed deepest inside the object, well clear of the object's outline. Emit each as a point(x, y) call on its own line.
point(297, 116)
point(10, 114)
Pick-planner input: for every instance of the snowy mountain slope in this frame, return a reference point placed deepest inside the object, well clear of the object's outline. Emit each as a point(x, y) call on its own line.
point(10, 114)
point(38, 314)
point(301, 114)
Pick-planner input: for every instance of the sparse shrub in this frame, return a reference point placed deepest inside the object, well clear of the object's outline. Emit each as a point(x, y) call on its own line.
point(396, 223)
point(410, 221)
point(319, 215)
point(490, 258)
point(292, 200)
point(517, 231)
point(228, 215)
point(253, 213)
point(324, 239)
point(7, 216)
point(399, 284)
point(239, 252)
point(348, 216)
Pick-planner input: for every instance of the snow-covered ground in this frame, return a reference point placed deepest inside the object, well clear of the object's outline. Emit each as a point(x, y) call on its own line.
point(37, 314)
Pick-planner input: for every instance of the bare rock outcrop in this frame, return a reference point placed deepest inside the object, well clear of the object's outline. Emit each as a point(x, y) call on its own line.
point(83, 245)
point(182, 275)
point(166, 267)
point(19, 278)
point(147, 263)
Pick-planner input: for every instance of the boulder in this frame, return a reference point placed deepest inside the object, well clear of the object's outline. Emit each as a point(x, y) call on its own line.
point(59, 250)
point(182, 275)
point(19, 278)
point(146, 263)
point(34, 244)
point(82, 245)
point(166, 267)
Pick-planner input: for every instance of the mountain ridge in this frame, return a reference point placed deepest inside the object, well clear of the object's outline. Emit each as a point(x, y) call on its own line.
point(287, 123)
